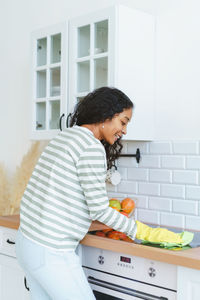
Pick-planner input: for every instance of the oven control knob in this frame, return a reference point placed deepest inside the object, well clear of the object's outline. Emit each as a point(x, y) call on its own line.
point(152, 272)
point(101, 260)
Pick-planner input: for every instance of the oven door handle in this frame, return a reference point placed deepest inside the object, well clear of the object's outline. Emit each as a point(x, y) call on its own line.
point(124, 290)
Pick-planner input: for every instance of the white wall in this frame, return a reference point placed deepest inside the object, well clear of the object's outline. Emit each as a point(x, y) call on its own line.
point(178, 34)
point(178, 72)
point(17, 20)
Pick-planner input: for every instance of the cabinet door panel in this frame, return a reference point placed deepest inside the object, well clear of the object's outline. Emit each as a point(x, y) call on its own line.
point(12, 280)
point(188, 284)
point(49, 80)
point(115, 47)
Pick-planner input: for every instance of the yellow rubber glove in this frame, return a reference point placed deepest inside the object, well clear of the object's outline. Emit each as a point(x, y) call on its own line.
point(156, 235)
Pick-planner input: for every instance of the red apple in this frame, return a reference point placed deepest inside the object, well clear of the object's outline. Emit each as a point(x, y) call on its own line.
point(100, 233)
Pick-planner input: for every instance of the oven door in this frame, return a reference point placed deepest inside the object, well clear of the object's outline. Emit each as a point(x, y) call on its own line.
point(112, 287)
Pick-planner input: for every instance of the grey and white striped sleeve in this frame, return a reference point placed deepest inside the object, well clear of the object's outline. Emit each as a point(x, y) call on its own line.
point(91, 171)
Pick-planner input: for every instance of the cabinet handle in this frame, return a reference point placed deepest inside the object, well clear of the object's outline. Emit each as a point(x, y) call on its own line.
point(10, 242)
point(68, 119)
point(25, 283)
point(60, 122)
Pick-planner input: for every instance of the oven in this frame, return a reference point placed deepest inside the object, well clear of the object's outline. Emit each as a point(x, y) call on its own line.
point(116, 276)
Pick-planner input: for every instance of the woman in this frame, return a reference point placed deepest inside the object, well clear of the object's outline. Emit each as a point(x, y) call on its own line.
point(67, 191)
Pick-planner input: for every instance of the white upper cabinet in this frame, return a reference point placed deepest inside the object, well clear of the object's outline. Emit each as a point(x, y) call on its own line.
point(115, 47)
point(49, 71)
point(110, 47)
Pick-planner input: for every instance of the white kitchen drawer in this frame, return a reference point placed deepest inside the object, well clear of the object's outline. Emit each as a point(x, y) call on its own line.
point(7, 241)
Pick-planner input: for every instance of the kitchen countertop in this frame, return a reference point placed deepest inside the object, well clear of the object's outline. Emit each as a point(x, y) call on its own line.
point(188, 258)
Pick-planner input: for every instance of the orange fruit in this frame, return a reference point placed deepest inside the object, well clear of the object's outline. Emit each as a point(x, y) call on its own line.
point(113, 235)
point(117, 235)
point(121, 235)
point(128, 205)
point(124, 213)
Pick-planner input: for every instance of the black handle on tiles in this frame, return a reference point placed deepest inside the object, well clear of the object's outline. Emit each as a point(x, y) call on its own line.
point(136, 155)
point(60, 122)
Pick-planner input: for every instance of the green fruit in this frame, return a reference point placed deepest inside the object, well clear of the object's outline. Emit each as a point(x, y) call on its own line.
point(114, 203)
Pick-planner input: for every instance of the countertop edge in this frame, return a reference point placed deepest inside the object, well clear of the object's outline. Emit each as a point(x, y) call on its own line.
point(186, 258)
point(183, 258)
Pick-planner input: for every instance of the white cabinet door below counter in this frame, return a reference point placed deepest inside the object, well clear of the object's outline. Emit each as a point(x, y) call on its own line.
point(188, 284)
point(12, 280)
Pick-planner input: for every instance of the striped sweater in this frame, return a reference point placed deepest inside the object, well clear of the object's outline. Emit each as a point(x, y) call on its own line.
point(67, 191)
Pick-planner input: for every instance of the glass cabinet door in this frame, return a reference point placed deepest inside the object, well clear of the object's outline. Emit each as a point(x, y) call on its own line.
point(101, 37)
point(83, 41)
point(55, 82)
point(91, 57)
point(55, 48)
point(41, 115)
point(54, 113)
point(48, 77)
point(41, 52)
point(100, 72)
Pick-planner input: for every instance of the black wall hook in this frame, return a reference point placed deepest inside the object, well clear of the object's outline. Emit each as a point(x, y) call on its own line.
point(137, 155)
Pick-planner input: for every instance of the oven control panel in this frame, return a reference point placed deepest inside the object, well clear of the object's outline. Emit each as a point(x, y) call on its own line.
point(138, 268)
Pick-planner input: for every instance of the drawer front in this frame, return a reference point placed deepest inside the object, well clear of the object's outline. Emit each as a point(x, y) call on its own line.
point(7, 241)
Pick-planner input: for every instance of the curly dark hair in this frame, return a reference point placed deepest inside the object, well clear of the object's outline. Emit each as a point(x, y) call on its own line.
point(100, 105)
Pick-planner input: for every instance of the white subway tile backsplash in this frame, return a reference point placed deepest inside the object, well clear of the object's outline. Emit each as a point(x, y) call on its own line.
point(132, 147)
point(185, 207)
point(141, 201)
point(185, 148)
point(118, 196)
point(192, 222)
point(137, 174)
point(123, 172)
point(125, 147)
point(160, 148)
point(149, 161)
point(187, 177)
point(148, 188)
point(193, 192)
point(128, 162)
point(127, 187)
point(172, 190)
point(173, 162)
point(160, 175)
point(148, 216)
point(166, 182)
point(158, 203)
point(172, 220)
point(193, 162)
